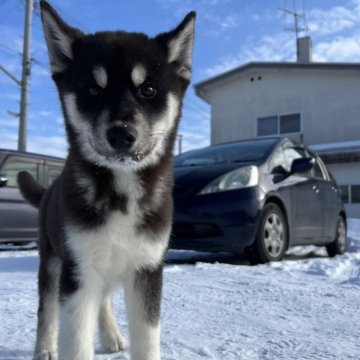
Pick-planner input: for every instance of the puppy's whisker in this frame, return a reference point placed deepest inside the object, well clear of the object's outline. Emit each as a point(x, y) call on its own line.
point(160, 133)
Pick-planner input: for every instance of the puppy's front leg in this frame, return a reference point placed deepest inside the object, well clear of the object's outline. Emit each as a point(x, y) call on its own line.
point(142, 298)
point(79, 307)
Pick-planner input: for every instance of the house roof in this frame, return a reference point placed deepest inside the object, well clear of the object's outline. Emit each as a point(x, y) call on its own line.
point(339, 152)
point(25, 153)
point(336, 147)
point(201, 86)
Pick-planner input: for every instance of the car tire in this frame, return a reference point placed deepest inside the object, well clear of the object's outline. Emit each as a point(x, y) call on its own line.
point(338, 246)
point(272, 237)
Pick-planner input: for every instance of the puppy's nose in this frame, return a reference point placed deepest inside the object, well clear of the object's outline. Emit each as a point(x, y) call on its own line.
point(121, 138)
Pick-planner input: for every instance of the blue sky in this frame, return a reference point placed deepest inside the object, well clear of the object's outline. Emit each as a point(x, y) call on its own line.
point(229, 33)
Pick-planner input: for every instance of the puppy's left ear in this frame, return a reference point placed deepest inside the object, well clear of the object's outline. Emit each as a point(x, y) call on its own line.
point(59, 38)
point(179, 45)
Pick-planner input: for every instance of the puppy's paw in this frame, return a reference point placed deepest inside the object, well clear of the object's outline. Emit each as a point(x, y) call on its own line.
point(45, 355)
point(112, 341)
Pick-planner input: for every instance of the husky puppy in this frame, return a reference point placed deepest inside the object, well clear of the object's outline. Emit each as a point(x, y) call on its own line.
point(105, 222)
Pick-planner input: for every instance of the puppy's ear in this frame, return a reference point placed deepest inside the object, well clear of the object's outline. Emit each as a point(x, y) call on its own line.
point(59, 38)
point(179, 45)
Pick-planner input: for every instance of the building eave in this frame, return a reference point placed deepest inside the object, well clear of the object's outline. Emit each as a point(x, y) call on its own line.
point(339, 152)
point(201, 87)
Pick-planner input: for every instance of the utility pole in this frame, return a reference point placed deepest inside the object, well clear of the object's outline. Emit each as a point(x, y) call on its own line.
point(26, 68)
point(180, 137)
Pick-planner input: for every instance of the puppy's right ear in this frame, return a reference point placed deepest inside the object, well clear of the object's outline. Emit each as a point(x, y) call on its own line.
point(59, 38)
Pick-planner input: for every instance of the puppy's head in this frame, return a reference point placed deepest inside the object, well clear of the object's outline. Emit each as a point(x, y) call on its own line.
point(121, 92)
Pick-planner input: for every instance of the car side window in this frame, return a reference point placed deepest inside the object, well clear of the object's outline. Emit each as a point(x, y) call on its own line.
point(278, 162)
point(326, 173)
point(317, 172)
point(291, 154)
point(14, 165)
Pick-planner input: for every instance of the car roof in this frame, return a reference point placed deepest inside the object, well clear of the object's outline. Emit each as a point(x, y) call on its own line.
point(278, 140)
point(29, 154)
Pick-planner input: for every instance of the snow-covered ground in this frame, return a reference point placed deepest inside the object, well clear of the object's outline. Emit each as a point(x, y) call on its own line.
point(215, 307)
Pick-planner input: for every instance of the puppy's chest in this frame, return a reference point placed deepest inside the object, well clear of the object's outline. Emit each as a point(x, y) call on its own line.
point(119, 244)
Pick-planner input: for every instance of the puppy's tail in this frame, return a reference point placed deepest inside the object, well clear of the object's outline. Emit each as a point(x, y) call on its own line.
point(30, 189)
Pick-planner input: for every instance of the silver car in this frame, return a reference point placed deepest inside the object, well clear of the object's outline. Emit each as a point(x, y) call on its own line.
point(18, 220)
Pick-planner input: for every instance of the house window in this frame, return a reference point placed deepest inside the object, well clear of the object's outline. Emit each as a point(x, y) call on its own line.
point(268, 126)
point(279, 125)
point(350, 194)
point(355, 194)
point(289, 123)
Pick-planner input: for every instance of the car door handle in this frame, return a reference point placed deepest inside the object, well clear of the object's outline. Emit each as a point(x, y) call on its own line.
point(315, 188)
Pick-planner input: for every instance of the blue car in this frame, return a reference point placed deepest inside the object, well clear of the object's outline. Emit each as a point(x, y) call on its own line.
point(258, 198)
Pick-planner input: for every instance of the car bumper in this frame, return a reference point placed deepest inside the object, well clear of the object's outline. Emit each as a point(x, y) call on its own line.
point(217, 222)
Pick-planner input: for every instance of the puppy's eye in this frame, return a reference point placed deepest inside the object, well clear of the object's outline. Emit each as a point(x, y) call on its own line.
point(147, 91)
point(95, 91)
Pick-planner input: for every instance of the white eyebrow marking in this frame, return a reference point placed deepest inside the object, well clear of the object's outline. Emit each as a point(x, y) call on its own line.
point(138, 74)
point(100, 76)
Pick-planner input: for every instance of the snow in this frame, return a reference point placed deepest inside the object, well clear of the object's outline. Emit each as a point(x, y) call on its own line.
point(219, 307)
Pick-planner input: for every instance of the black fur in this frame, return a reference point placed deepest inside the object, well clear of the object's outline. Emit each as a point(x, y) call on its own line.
point(105, 200)
point(69, 280)
point(30, 189)
point(148, 283)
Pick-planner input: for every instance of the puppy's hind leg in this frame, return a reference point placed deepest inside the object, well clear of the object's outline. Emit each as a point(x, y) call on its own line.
point(110, 336)
point(46, 340)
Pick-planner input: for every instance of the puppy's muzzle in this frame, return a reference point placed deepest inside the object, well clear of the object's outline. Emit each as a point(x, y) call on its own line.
point(121, 138)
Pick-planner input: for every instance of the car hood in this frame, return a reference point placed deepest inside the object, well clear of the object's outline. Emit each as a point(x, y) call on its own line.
point(191, 179)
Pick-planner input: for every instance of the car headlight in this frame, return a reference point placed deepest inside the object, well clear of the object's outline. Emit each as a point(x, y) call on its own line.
point(237, 179)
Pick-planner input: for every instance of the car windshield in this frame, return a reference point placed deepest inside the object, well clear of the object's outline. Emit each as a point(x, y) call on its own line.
point(245, 151)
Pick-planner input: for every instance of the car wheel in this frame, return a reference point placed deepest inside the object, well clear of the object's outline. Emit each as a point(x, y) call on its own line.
point(272, 237)
point(338, 246)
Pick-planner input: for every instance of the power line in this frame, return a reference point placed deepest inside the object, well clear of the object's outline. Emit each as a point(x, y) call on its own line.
point(34, 60)
point(10, 50)
point(38, 63)
point(65, 15)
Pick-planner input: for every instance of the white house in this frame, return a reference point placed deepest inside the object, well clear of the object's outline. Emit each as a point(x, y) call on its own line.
point(315, 103)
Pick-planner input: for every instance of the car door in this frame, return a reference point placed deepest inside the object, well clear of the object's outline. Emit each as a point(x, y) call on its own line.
point(305, 204)
point(18, 220)
point(329, 198)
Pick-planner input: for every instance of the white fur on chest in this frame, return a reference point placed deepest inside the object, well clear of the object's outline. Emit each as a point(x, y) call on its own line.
point(117, 247)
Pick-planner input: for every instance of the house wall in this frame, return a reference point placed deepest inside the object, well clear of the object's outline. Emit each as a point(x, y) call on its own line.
point(328, 101)
point(347, 174)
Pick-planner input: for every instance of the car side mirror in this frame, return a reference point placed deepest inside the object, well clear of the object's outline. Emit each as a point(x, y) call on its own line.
point(3, 180)
point(302, 165)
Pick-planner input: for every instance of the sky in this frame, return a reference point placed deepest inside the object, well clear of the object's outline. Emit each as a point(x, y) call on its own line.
point(229, 33)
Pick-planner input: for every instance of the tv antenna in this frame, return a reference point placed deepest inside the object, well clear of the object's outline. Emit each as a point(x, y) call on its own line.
point(299, 18)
